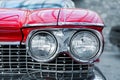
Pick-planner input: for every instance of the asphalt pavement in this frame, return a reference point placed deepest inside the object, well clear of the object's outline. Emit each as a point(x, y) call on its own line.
point(110, 64)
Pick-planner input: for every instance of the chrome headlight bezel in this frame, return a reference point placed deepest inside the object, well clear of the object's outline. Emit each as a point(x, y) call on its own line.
point(98, 52)
point(67, 41)
point(28, 45)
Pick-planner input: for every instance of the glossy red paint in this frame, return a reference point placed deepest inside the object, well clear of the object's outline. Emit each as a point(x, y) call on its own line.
point(79, 15)
point(43, 16)
point(12, 21)
point(63, 15)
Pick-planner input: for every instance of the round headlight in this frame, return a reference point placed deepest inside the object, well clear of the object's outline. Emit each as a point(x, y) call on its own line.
point(84, 45)
point(42, 46)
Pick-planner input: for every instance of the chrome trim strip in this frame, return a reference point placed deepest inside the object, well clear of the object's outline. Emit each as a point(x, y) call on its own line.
point(65, 23)
point(80, 24)
point(9, 43)
point(55, 71)
point(40, 24)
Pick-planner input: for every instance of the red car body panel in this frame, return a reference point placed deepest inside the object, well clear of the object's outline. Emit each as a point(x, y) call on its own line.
point(43, 16)
point(79, 15)
point(12, 21)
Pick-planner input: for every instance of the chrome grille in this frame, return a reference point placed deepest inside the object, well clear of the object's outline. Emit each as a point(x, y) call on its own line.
point(15, 60)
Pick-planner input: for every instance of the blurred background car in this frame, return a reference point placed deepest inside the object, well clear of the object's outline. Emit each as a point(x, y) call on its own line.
point(114, 36)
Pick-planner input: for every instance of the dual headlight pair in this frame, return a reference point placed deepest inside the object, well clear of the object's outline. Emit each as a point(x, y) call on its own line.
point(84, 45)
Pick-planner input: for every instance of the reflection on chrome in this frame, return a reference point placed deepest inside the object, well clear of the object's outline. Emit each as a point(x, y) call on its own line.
point(36, 76)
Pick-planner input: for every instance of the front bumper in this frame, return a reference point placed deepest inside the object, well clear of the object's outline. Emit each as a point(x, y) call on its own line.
point(97, 76)
point(36, 76)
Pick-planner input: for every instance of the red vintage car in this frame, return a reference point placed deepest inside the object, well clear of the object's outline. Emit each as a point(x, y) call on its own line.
point(54, 43)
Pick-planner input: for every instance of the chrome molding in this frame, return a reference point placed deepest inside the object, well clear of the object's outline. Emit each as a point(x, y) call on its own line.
point(30, 52)
point(9, 43)
point(40, 24)
point(80, 24)
point(63, 37)
point(65, 23)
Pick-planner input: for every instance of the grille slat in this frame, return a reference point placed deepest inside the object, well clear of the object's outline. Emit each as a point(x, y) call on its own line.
point(15, 60)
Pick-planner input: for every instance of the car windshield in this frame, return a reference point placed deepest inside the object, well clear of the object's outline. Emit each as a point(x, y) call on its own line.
point(36, 4)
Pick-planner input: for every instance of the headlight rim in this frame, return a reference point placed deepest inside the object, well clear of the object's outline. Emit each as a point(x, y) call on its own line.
point(98, 53)
point(33, 33)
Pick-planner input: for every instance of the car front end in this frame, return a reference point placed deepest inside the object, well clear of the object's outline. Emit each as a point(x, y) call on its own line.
point(50, 44)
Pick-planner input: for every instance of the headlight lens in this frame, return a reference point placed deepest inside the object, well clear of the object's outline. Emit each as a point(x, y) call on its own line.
point(42, 46)
point(84, 45)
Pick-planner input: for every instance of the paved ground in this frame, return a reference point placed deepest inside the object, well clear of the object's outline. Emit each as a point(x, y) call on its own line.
point(110, 64)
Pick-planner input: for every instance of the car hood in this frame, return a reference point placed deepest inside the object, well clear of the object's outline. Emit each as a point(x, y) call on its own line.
point(56, 16)
point(79, 15)
point(13, 20)
point(17, 18)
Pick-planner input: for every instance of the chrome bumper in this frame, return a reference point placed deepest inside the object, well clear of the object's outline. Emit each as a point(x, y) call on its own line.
point(98, 74)
point(97, 77)
point(33, 76)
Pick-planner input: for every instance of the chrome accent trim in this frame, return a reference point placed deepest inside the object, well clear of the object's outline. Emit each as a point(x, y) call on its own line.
point(28, 47)
point(98, 74)
point(9, 43)
point(98, 78)
point(64, 41)
point(100, 38)
point(40, 24)
point(80, 23)
point(65, 23)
